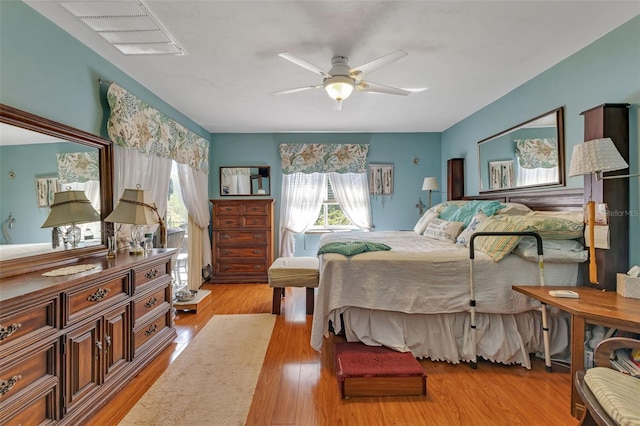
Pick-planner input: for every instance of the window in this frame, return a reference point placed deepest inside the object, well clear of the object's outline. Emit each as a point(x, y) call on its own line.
point(331, 215)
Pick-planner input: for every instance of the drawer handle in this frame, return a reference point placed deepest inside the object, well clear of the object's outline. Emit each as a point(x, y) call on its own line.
point(99, 295)
point(225, 252)
point(257, 267)
point(228, 222)
point(255, 222)
point(151, 302)
point(226, 267)
point(99, 346)
point(257, 251)
point(228, 209)
point(257, 237)
point(151, 274)
point(226, 237)
point(107, 340)
point(151, 330)
point(6, 385)
point(8, 331)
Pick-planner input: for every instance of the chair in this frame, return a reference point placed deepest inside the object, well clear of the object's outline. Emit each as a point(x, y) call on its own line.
point(175, 239)
point(611, 397)
point(181, 259)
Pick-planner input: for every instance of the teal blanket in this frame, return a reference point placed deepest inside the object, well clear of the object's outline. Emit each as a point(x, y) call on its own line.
point(349, 248)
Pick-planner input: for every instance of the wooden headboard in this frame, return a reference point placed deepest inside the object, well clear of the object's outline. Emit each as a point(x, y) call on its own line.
point(562, 199)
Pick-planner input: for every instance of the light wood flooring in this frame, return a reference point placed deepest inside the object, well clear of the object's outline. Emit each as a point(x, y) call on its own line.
point(297, 385)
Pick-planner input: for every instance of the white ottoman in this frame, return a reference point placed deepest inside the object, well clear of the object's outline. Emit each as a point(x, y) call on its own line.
point(293, 272)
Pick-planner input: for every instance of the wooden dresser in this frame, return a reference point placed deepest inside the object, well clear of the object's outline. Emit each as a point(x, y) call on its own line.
point(243, 240)
point(69, 343)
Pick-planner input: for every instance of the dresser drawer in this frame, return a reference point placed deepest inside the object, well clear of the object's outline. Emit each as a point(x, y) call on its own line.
point(240, 251)
point(148, 331)
point(22, 373)
point(27, 324)
point(151, 301)
point(241, 237)
point(143, 277)
point(228, 209)
point(249, 222)
point(83, 302)
point(240, 266)
point(41, 408)
point(257, 208)
point(227, 222)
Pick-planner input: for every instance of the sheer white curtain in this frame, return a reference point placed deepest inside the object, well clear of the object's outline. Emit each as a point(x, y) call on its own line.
point(352, 193)
point(536, 176)
point(132, 168)
point(194, 186)
point(301, 203)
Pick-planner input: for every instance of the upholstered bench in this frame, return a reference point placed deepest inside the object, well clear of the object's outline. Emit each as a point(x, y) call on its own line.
point(293, 272)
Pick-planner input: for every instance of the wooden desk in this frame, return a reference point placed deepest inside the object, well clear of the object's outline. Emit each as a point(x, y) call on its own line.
point(608, 309)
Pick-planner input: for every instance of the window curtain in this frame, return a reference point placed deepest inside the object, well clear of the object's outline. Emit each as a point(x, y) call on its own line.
point(306, 168)
point(537, 153)
point(147, 140)
point(236, 180)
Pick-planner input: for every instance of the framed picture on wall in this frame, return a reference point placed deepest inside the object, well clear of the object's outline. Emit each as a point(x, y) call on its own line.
point(381, 179)
point(46, 186)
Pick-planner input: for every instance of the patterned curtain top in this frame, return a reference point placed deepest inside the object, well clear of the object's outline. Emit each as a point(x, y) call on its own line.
point(236, 171)
point(135, 124)
point(324, 158)
point(78, 167)
point(537, 153)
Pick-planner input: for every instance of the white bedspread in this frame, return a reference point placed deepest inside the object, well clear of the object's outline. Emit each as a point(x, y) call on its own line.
point(420, 275)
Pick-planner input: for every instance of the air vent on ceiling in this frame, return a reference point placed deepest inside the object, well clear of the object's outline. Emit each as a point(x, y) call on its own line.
point(128, 25)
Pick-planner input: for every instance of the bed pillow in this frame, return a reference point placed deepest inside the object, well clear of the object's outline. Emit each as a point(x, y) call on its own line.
point(424, 221)
point(443, 230)
point(549, 227)
point(465, 236)
point(567, 245)
point(574, 216)
point(514, 209)
point(466, 212)
point(552, 255)
point(499, 247)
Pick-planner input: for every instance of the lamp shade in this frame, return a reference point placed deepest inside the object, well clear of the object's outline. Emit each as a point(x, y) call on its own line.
point(135, 208)
point(430, 184)
point(70, 207)
point(596, 156)
point(339, 87)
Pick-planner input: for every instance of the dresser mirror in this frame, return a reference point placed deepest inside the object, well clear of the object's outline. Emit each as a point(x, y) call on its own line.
point(528, 155)
point(37, 158)
point(245, 180)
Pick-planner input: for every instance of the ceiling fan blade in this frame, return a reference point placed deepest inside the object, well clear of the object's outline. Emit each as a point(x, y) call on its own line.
point(297, 89)
point(369, 67)
point(302, 63)
point(367, 86)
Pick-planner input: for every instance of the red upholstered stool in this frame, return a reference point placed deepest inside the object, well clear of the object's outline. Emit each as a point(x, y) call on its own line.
point(293, 272)
point(377, 371)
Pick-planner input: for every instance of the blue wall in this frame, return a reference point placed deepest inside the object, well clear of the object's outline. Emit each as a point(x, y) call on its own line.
point(607, 71)
point(400, 149)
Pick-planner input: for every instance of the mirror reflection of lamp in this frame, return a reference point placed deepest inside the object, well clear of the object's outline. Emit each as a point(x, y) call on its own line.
point(593, 158)
point(136, 208)
point(70, 207)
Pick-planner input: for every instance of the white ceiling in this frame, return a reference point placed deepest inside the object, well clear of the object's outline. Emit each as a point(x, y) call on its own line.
point(468, 54)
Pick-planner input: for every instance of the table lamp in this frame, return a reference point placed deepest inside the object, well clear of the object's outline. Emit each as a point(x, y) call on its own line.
point(430, 184)
point(593, 158)
point(136, 208)
point(70, 207)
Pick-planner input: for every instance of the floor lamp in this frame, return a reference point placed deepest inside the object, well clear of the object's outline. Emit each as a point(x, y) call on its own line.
point(593, 158)
point(430, 184)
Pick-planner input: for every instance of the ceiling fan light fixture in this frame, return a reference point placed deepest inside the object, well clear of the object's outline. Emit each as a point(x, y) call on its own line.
point(339, 87)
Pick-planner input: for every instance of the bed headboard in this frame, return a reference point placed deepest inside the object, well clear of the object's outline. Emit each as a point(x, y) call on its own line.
point(562, 199)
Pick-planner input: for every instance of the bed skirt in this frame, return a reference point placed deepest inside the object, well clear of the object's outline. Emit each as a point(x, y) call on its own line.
point(503, 338)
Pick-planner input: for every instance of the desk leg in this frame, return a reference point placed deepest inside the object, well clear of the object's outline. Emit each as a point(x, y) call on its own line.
point(577, 361)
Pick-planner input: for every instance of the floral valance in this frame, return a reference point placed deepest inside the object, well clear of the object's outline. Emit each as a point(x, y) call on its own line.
point(324, 158)
point(236, 171)
point(135, 124)
point(537, 153)
point(78, 167)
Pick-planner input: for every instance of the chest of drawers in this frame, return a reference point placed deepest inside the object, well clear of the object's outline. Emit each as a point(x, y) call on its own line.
point(243, 240)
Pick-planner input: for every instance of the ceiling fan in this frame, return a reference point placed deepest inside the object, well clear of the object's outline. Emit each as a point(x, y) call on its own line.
point(341, 79)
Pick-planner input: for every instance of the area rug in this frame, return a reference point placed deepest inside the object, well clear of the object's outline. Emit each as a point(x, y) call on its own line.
point(213, 380)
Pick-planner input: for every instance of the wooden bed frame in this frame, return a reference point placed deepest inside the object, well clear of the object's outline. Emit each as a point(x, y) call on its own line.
point(561, 199)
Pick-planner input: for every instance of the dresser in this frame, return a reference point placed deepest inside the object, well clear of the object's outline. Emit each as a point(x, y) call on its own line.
point(69, 343)
point(242, 240)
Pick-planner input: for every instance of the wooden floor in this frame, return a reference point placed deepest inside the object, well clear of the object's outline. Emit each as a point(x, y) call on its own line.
point(297, 385)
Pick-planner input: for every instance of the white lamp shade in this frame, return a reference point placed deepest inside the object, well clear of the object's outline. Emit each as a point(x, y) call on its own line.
point(595, 156)
point(430, 184)
point(70, 207)
point(339, 87)
point(134, 208)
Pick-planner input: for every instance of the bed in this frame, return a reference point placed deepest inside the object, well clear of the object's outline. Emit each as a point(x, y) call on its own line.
point(415, 297)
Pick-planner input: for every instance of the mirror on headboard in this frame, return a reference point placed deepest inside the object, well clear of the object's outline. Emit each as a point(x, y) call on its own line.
point(38, 157)
point(528, 155)
point(245, 180)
